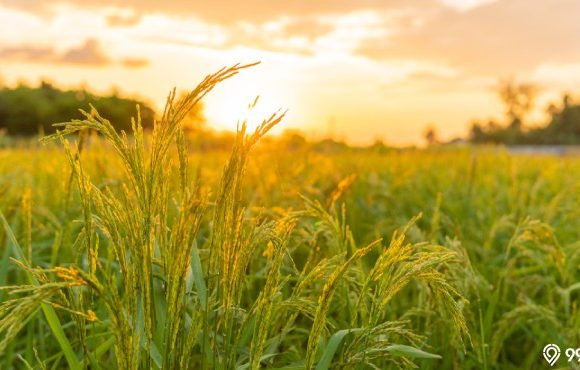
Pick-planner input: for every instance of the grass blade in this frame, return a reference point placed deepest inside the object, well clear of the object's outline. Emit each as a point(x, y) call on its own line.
point(408, 351)
point(49, 312)
point(198, 278)
point(333, 343)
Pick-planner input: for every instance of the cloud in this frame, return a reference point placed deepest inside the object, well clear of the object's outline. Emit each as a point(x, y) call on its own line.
point(87, 54)
point(294, 35)
point(300, 26)
point(289, 35)
point(466, 5)
point(123, 20)
point(562, 76)
point(439, 82)
point(505, 37)
point(479, 37)
point(27, 53)
point(309, 28)
point(227, 11)
point(134, 62)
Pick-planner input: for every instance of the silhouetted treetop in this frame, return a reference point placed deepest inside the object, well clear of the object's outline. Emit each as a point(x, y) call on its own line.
point(562, 127)
point(28, 110)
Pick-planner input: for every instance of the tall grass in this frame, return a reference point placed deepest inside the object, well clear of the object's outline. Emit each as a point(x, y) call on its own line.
point(150, 257)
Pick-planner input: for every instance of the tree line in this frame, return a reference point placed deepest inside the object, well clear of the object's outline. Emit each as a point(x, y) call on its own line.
point(561, 128)
point(27, 111)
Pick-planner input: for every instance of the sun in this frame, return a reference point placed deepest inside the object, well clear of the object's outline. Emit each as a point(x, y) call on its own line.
point(243, 100)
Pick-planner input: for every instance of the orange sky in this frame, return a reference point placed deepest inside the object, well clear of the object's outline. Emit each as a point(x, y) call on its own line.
point(359, 70)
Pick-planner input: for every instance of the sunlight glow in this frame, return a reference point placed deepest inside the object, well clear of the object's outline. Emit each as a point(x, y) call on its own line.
point(466, 5)
point(379, 69)
point(228, 108)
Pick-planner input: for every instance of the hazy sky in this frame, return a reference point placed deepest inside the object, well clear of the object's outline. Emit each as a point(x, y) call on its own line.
point(359, 70)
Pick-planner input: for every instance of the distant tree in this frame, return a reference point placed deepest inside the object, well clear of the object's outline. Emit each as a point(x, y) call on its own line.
point(430, 134)
point(292, 140)
point(27, 110)
point(379, 146)
point(518, 100)
point(329, 146)
point(477, 134)
point(564, 125)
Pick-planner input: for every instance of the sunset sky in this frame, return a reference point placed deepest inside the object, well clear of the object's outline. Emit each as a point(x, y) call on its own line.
point(358, 70)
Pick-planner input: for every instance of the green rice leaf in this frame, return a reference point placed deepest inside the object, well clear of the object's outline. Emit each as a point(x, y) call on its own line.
point(408, 351)
point(198, 278)
point(49, 312)
point(332, 346)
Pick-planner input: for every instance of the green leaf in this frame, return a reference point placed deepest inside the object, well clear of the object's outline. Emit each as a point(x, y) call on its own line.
point(156, 356)
point(290, 367)
point(263, 358)
point(49, 312)
point(105, 346)
point(198, 278)
point(331, 347)
point(408, 351)
point(4, 265)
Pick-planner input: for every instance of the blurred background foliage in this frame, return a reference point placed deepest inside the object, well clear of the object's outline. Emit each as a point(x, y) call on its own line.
point(29, 111)
point(26, 111)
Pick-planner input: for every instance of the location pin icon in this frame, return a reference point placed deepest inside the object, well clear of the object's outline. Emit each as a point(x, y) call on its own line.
point(551, 353)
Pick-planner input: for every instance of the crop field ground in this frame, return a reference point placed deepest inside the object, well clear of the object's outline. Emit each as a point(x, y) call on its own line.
point(138, 251)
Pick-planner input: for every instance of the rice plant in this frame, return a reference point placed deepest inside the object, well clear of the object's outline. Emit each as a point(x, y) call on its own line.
point(146, 254)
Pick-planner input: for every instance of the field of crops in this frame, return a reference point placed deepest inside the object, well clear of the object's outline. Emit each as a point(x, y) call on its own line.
point(141, 252)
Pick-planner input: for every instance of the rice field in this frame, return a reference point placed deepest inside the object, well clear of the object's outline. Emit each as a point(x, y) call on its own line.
point(140, 252)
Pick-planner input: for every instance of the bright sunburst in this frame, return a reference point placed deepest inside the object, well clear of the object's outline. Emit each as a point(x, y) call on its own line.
point(243, 100)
